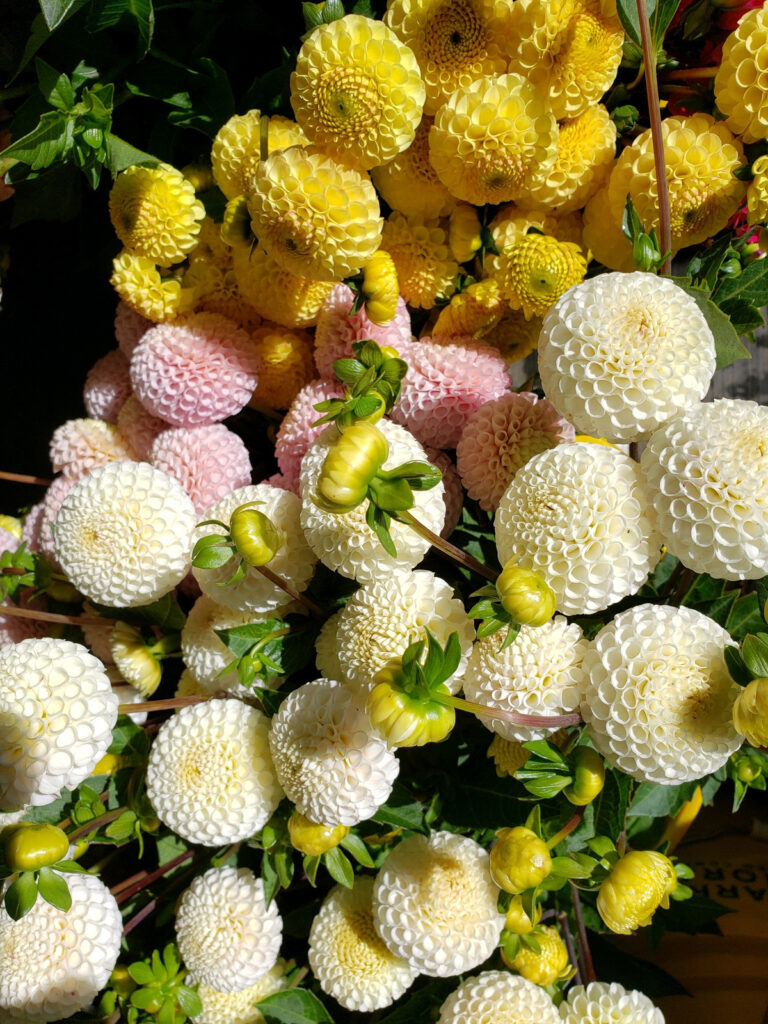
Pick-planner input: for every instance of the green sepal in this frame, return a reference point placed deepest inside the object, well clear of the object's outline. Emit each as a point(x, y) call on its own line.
point(20, 896)
point(54, 889)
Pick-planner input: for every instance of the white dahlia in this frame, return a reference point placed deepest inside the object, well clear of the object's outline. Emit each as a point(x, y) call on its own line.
point(57, 710)
point(434, 904)
point(330, 761)
point(620, 354)
point(601, 1003)
point(497, 997)
point(294, 562)
point(386, 615)
point(578, 514)
point(343, 541)
point(659, 695)
point(348, 957)
point(227, 936)
point(124, 533)
point(53, 963)
point(210, 776)
point(540, 673)
point(239, 1007)
point(707, 476)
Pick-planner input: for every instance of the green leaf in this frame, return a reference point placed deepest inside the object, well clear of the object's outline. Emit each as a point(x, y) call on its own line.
point(754, 653)
point(166, 1014)
point(212, 556)
point(654, 801)
point(422, 1004)
point(695, 916)
point(703, 268)
point(55, 87)
point(728, 345)
point(612, 804)
point(333, 10)
point(241, 639)
point(294, 1006)
point(143, 998)
point(540, 748)
point(750, 286)
point(171, 960)
point(745, 616)
point(54, 889)
point(270, 877)
point(189, 1001)
point(313, 15)
point(122, 828)
point(44, 144)
point(401, 810)
point(121, 154)
point(568, 868)
point(378, 521)
point(545, 786)
point(391, 495)
point(339, 867)
point(744, 317)
point(141, 973)
point(57, 11)
point(348, 371)
point(20, 895)
point(106, 13)
point(355, 845)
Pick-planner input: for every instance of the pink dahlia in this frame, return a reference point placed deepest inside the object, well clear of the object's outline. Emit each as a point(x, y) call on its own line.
point(337, 328)
point(37, 530)
point(296, 432)
point(208, 462)
point(129, 328)
point(139, 428)
point(278, 480)
point(501, 437)
point(8, 541)
point(444, 386)
point(78, 446)
point(454, 492)
point(30, 530)
point(97, 637)
point(107, 386)
point(195, 371)
point(14, 629)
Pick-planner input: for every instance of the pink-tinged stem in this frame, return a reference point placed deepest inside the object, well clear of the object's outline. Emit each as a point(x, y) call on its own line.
point(129, 893)
point(24, 478)
point(450, 550)
point(654, 112)
point(570, 826)
point(314, 609)
point(690, 74)
point(91, 826)
point(166, 705)
point(537, 721)
point(66, 620)
point(563, 919)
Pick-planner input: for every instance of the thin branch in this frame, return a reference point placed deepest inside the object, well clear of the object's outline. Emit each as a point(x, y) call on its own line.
point(563, 920)
point(24, 478)
point(91, 826)
point(586, 952)
point(309, 604)
point(654, 112)
point(450, 550)
point(66, 620)
point(169, 704)
point(129, 893)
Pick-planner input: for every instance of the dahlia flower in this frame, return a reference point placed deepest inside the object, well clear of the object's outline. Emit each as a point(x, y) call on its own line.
point(236, 150)
point(149, 293)
point(107, 386)
point(534, 272)
point(408, 183)
point(296, 432)
point(419, 248)
point(600, 1001)
point(240, 1007)
point(208, 462)
point(274, 292)
point(78, 446)
point(497, 997)
point(741, 82)
point(286, 365)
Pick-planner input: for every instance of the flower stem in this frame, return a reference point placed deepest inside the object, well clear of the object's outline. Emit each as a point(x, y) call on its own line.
point(67, 620)
point(167, 705)
point(309, 604)
point(586, 952)
point(24, 478)
point(537, 721)
point(654, 113)
point(690, 74)
point(450, 550)
point(128, 893)
point(571, 825)
point(563, 919)
point(91, 826)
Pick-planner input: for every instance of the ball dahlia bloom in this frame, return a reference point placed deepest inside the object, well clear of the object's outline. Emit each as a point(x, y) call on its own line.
point(338, 328)
point(658, 697)
point(236, 150)
point(501, 437)
point(600, 1001)
point(578, 515)
point(621, 354)
point(129, 327)
point(639, 883)
point(286, 365)
point(107, 386)
point(741, 82)
point(426, 269)
point(408, 183)
point(434, 904)
point(498, 997)
point(277, 294)
point(330, 761)
point(139, 428)
point(150, 293)
point(240, 1007)
point(208, 462)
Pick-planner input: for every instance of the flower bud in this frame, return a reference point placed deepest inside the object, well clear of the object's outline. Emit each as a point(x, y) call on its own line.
point(406, 719)
point(637, 886)
point(312, 839)
point(200, 175)
point(136, 663)
point(31, 847)
point(750, 713)
point(517, 919)
point(519, 860)
point(350, 466)
point(464, 236)
point(546, 966)
point(236, 224)
point(121, 981)
point(747, 770)
point(381, 289)
point(588, 776)
point(256, 537)
point(525, 595)
point(12, 525)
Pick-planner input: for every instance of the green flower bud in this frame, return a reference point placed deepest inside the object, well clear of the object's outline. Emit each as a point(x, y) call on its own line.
point(525, 595)
point(750, 713)
point(747, 770)
point(255, 536)
point(312, 839)
point(121, 981)
point(407, 719)
point(519, 860)
point(546, 966)
point(588, 776)
point(517, 920)
point(349, 467)
point(31, 846)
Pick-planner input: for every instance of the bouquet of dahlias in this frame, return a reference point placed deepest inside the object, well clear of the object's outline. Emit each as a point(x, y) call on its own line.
point(399, 599)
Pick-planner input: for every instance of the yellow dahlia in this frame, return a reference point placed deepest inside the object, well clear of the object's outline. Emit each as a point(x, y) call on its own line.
point(741, 83)
point(357, 91)
point(286, 365)
point(235, 226)
point(140, 285)
point(380, 288)
point(757, 192)
point(493, 139)
point(464, 232)
point(210, 245)
point(586, 149)
point(315, 217)
point(472, 313)
point(409, 183)
point(216, 291)
point(455, 41)
point(237, 148)
point(277, 294)
point(701, 156)
point(425, 268)
point(512, 223)
point(603, 237)
point(155, 213)
point(514, 336)
point(536, 271)
point(569, 49)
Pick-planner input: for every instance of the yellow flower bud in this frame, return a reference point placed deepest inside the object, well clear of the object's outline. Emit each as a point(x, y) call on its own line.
point(517, 919)
point(312, 839)
point(525, 595)
point(121, 981)
point(137, 664)
point(12, 525)
point(750, 713)
point(588, 777)
point(519, 860)
point(404, 719)
point(464, 233)
point(380, 288)
point(350, 466)
point(236, 224)
point(255, 535)
point(547, 966)
point(31, 846)
point(637, 886)
point(201, 176)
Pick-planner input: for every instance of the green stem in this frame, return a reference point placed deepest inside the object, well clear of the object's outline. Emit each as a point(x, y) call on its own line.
point(567, 828)
point(91, 826)
point(654, 112)
point(536, 721)
point(309, 604)
point(446, 548)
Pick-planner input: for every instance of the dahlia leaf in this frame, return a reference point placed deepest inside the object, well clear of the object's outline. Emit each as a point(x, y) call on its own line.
point(612, 804)
point(728, 345)
point(57, 11)
point(21, 895)
point(745, 616)
point(654, 801)
point(55, 87)
point(630, 19)
point(401, 811)
point(189, 1001)
point(339, 867)
point(294, 1006)
point(355, 845)
point(751, 285)
point(121, 154)
point(754, 652)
